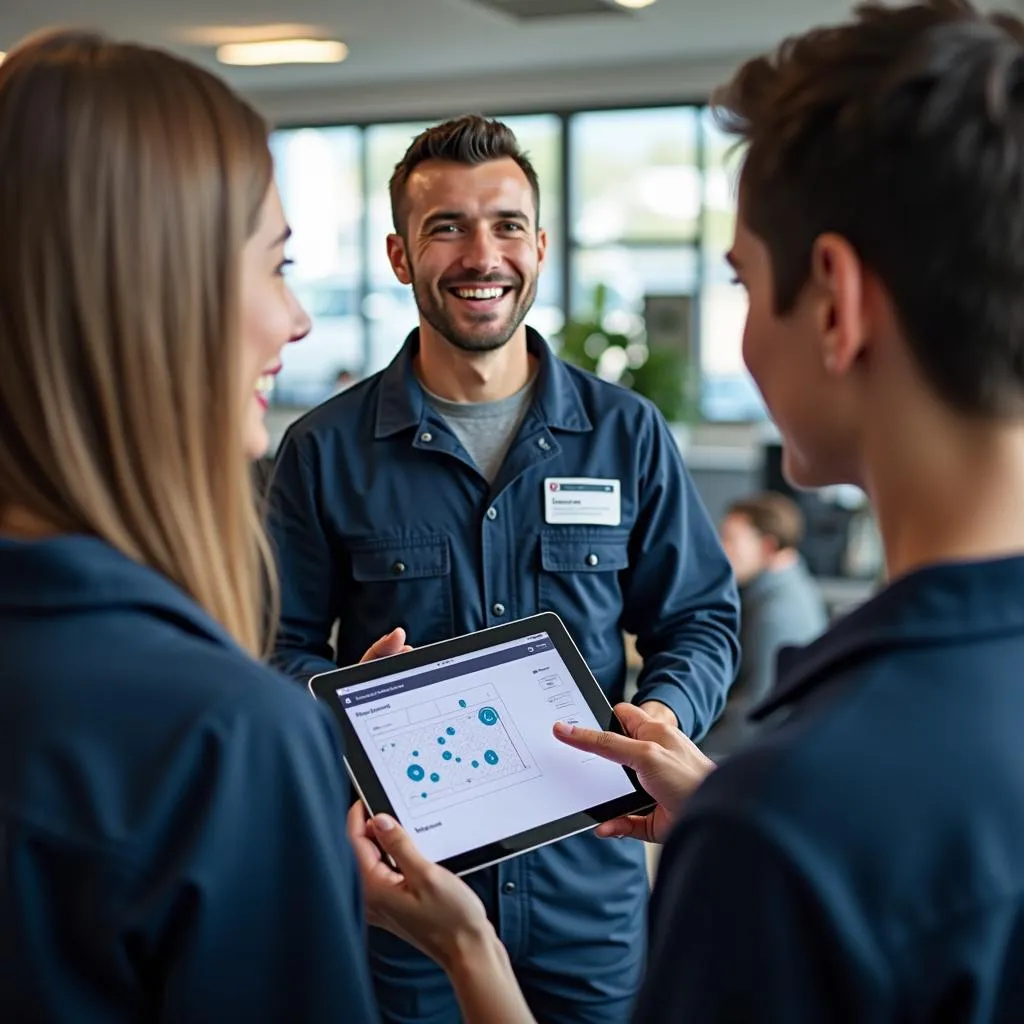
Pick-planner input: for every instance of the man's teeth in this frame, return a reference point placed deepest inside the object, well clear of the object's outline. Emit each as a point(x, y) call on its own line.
point(265, 384)
point(479, 293)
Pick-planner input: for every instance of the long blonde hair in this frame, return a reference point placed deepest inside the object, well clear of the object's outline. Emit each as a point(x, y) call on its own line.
point(130, 183)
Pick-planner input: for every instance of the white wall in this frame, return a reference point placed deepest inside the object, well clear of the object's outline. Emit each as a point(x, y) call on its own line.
point(630, 85)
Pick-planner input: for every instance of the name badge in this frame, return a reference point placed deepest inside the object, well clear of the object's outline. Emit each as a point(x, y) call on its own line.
point(582, 501)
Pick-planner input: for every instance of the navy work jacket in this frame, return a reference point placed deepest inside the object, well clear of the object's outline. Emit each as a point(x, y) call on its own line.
point(863, 861)
point(381, 519)
point(172, 813)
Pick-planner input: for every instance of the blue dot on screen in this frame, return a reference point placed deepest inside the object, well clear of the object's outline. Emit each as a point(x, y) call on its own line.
point(462, 703)
point(450, 731)
point(490, 757)
point(415, 772)
point(476, 764)
point(424, 795)
point(415, 753)
point(458, 760)
point(440, 739)
point(447, 755)
point(435, 777)
point(488, 716)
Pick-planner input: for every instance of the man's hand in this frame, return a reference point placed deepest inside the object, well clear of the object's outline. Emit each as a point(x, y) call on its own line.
point(669, 766)
point(421, 903)
point(392, 643)
point(660, 712)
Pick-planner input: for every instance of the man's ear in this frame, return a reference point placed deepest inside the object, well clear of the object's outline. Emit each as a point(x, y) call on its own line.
point(838, 276)
point(398, 258)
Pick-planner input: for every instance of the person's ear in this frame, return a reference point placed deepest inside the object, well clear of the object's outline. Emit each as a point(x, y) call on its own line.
point(398, 258)
point(838, 277)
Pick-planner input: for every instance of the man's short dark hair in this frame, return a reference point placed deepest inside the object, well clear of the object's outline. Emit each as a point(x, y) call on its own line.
point(902, 131)
point(772, 515)
point(470, 140)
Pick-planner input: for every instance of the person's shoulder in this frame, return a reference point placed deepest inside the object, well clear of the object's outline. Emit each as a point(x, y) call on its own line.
point(207, 678)
point(607, 395)
point(339, 413)
point(159, 669)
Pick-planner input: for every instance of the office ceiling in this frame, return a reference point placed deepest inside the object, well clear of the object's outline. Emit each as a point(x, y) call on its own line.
point(403, 40)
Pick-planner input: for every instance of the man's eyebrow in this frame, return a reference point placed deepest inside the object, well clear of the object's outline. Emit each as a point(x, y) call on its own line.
point(442, 216)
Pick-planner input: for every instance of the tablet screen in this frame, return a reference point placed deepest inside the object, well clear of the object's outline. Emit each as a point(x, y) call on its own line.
point(464, 750)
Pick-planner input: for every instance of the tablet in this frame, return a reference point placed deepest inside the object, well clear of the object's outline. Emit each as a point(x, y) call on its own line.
point(455, 741)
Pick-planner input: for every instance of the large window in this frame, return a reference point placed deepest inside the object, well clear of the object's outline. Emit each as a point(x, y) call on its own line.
point(320, 178)
point(727, 392)
point(645, 197)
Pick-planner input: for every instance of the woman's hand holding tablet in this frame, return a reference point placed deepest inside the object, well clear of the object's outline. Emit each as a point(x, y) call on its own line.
point(438, 913)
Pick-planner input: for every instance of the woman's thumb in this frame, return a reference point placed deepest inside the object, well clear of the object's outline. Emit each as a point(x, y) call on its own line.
point(395, 842)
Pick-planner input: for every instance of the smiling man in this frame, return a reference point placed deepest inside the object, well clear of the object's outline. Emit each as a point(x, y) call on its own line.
point(441, 495)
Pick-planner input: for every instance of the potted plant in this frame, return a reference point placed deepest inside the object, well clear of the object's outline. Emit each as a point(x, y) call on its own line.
point(660, 373)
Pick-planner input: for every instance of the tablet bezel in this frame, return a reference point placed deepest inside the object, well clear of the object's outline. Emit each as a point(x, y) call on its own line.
point(364, 777)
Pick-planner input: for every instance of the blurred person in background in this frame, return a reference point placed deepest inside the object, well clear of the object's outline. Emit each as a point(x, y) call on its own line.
point(780, 606)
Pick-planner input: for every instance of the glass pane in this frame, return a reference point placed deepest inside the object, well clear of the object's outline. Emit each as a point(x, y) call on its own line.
point(648, 296)
point(319, 174)
point(727, 392)
point(635, 176)
point(629, 275)
point(390, 309)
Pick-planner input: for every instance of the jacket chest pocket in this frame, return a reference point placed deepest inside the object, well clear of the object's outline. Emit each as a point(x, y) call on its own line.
point(403, 582)
point(579, 580)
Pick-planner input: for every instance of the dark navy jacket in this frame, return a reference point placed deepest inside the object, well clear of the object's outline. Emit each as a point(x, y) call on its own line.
point(171, 813)
point(381, 519)
point(864, 861)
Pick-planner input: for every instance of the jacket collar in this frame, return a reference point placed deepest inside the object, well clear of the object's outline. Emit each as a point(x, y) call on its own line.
point(400, 403)
point(939, 605)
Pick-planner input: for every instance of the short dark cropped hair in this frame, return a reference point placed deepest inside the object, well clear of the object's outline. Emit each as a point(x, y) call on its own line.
point(772, 515)
point(470, 140)
point(901, 130)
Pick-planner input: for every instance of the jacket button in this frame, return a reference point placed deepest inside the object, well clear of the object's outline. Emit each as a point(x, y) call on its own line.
point(498, 609)
point(543, 444)
point(508, 888)
point(492, 513)
point(592, 559)
point(426, 437)
point(398, 568)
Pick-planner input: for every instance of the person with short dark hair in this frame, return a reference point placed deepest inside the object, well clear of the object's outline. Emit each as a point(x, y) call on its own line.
point(780, 606)
point(477, 480)
point(863, 859)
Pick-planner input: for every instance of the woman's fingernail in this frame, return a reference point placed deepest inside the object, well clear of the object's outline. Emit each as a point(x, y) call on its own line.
point(383, 823)
point(564, 728)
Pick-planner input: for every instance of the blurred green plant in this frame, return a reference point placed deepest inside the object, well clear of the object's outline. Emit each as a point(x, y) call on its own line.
point(661, 375)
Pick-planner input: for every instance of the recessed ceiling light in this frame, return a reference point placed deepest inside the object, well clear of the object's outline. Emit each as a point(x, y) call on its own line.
point(283, 51)
point(634, 5)
point(219, 35)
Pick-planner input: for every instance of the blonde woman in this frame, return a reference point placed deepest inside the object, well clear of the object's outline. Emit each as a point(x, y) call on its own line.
point(171, 811)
